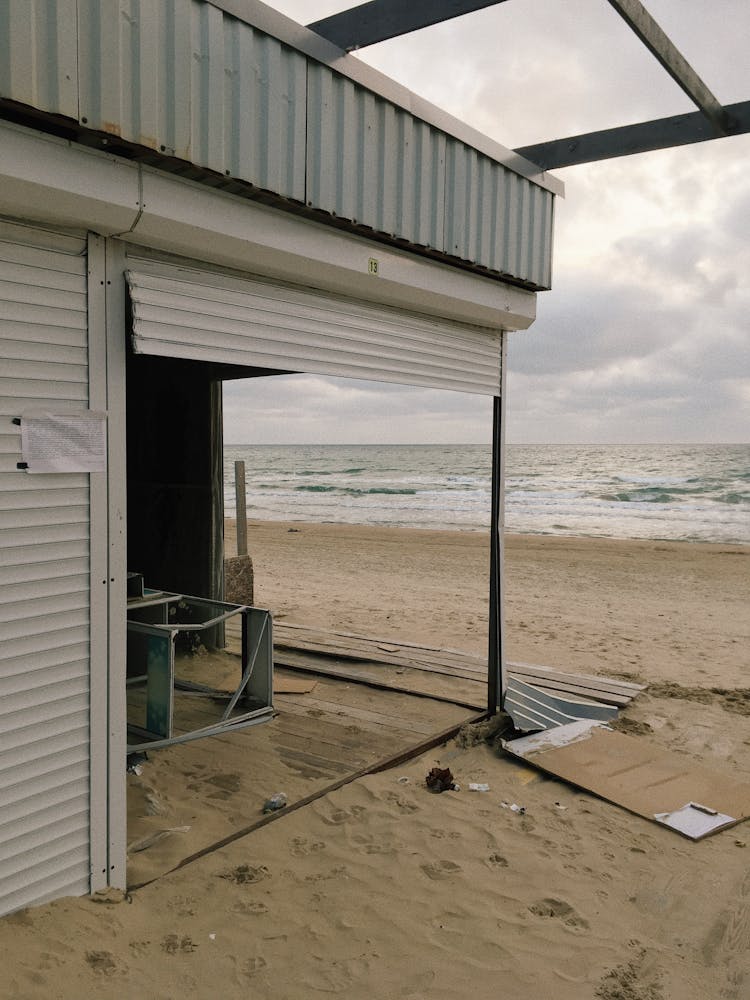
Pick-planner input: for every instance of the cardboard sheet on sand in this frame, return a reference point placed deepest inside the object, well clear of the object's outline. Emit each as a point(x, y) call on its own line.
point(643, 778)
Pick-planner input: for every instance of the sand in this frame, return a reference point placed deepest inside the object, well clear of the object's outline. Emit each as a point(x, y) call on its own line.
point(382, 889)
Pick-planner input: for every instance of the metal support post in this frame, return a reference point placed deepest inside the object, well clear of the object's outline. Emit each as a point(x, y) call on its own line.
point(496, 675)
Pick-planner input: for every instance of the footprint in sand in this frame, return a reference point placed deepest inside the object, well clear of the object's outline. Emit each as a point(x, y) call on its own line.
point(173, 943)
point(102, 962)
point(438, 870)
point(340, 816)
point(254, 965)
point(340, 871)
point(403, 804)
point(561, 910)
point(497, 861)
point(300, 847)
point(370, 845)
point(254, 909)
point(246, 874)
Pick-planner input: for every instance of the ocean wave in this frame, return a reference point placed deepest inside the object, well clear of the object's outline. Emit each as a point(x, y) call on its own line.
point(353, 492)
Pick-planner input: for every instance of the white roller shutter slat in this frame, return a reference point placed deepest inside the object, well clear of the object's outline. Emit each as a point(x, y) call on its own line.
point(203, 316)
point(44, 594)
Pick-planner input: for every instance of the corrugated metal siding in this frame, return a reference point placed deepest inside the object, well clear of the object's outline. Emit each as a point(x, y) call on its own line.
point(496, 218)
point(182, 313)
point(190, 81)
point(187, 80)
point(373, 163)
point(38, 54)
point(44, 596)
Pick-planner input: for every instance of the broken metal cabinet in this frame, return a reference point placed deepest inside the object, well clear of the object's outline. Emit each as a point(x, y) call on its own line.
point(154, 622)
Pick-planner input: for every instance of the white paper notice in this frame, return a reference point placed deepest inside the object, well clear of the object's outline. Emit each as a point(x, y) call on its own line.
point(64, 442)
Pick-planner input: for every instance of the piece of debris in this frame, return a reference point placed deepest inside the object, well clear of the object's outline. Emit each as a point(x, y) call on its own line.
point(694, 820)
point(478, 786)
point(514, 807)
point(440, 779)
point(648, 780)
point(276, 802)
point(403, 780)
point(533, 709)
point(135, 762)
point(560, 806)
point(154, 838)
point(471, 734)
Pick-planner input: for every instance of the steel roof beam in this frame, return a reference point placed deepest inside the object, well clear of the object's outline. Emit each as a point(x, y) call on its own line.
point(656, 41)
point(680, 130)
point(379, 20)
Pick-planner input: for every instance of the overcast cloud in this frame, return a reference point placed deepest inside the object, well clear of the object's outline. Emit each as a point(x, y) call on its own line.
point(644, 336)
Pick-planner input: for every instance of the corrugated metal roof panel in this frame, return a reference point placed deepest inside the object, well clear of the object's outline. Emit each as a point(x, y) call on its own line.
point(189, 81)
point(496, 218)
point(38, 54)
point(372, 163)
point(197, 83)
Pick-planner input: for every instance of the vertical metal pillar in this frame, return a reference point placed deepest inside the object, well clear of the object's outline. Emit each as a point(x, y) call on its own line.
point(496, 675)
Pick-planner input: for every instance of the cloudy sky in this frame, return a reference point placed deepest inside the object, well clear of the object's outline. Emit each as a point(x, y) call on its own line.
point(645, 336)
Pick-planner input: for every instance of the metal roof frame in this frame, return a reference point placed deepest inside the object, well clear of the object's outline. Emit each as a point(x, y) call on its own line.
point(378, 20)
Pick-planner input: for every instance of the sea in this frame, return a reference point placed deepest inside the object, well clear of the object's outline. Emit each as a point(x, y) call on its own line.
point(695, 493)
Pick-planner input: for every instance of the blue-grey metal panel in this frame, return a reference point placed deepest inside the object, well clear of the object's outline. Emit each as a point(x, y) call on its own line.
point(195, 82)
point(495, 218)
point(45, 591)
point(38, 54)
point(188, 80)
point(373, 163)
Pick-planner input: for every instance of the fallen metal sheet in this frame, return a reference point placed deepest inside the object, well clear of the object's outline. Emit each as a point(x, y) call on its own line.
point(694, 820)
point(531, 708)
point(640, 777)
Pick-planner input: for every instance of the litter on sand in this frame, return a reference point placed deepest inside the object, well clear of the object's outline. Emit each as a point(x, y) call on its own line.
point(440, 779)
point(478, 786)
point(277, 801)
point(514, 807)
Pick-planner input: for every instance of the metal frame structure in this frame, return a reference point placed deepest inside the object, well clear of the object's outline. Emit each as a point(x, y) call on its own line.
point(379, 20)
point(153, 627)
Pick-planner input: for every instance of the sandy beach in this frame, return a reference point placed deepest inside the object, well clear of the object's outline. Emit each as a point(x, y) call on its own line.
point(382, 889)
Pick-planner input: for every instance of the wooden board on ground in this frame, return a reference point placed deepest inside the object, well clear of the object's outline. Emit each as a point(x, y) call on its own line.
point(192, 795)
point(284, 684)
point(441, 673)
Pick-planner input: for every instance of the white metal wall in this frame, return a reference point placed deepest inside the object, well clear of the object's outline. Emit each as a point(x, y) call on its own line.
point(44, 581)
point(184, 313)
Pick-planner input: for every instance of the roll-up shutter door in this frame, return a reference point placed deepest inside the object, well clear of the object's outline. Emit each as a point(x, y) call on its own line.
point(44, 583)
point(183, 313)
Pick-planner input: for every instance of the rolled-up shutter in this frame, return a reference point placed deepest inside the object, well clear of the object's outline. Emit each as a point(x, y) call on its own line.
point(183, 313)
point(44, 584)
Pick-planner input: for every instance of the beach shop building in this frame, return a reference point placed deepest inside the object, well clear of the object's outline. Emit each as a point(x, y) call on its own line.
point(192, 191)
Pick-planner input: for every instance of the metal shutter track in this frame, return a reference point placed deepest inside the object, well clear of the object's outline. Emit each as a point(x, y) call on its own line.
point(44, 594)
point(260, 324)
